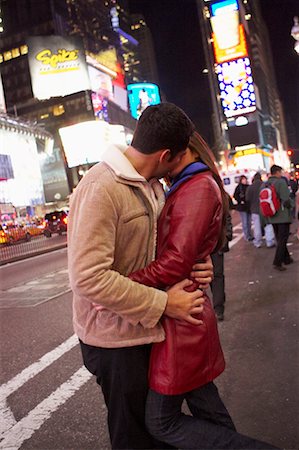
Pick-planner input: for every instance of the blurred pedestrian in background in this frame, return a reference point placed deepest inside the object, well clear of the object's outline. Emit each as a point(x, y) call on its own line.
point(293, 184)
point(282, 219)
point(253, 200)
point(243, 207)
point(218, 282)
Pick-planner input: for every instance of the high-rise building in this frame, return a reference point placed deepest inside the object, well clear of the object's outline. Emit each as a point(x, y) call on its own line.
point(61, 64)
point(147, 58)
point(248, 120)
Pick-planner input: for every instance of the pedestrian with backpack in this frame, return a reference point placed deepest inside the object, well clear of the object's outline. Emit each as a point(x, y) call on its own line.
point(276, 205)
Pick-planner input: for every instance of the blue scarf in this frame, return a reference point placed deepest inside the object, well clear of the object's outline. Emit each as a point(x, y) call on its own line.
point(185, 174)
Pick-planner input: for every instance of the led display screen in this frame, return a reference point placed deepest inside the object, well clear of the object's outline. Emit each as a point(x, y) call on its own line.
point(85, 142)
point(224, 7)
point(142, 95)
point(26, 186)
point(228, 53)
point(57, 66)
point(236, 87)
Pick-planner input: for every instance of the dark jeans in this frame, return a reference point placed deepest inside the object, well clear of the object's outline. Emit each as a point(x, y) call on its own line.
point(217, 285)
point(282, 255)
point(122, 374)
point(210, 427)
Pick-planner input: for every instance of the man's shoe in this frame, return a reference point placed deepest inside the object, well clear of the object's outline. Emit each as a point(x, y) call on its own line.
point(280, 268)
point(290, 261)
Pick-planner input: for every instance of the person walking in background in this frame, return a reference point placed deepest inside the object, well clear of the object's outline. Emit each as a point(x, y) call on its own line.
point(282, 219)
point(243, 208)
point(253, 200)
point(218, 282)
point(293, 184)
point(111, 233)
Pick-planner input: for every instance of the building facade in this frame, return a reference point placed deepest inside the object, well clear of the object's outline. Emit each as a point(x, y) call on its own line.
point(248, 116)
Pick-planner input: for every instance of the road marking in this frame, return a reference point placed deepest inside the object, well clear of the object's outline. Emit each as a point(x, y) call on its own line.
point(26, 427)
point(235, 240)
point(7, 420)
point(21, 378)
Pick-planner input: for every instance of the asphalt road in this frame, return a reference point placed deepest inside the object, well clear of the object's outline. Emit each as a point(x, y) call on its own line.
point(49, 402)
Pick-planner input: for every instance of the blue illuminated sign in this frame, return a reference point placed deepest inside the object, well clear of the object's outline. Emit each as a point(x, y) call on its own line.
point(224, 7)
point(142, 95)
point(236, 87)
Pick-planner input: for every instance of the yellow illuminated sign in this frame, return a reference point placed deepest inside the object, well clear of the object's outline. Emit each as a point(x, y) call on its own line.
point(250, 151)
point(52, 59)
point(227, 54)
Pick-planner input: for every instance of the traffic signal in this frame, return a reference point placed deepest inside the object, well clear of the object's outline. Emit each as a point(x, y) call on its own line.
point(290, 152)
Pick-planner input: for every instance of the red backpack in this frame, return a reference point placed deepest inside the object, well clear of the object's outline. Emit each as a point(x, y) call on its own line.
point(269, 201)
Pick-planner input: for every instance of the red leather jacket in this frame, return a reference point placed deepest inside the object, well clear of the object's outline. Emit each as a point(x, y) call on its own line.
point(188, 231)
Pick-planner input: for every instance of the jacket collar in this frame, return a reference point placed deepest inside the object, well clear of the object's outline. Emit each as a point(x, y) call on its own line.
point(188, 172)
point(114, 157)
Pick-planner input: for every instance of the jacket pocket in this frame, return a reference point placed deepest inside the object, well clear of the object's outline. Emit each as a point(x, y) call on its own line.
point(134, 214)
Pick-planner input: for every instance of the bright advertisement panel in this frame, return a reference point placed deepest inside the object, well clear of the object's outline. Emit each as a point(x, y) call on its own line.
point(57, 66)
point(142, 95)
point(53, 171)
point(84, 143)
point(26, 188)
point(229, 53)
point(2, 98)
point(100, 82)
point(228, 35)
point(236, 87)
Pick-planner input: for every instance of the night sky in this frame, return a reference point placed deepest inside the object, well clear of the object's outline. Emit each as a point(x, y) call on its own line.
point(178, 45)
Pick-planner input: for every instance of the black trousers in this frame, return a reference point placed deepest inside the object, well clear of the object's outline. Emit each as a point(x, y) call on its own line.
point(217, 284)
point(122, 374)
point(282, 255)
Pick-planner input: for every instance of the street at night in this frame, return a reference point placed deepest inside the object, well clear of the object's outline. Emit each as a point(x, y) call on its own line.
point(149, 150)
point(48, 401)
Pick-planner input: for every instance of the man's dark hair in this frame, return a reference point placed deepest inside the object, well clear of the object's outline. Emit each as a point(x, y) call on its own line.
point(163, 126)
point(274, 169)
point(257, 176)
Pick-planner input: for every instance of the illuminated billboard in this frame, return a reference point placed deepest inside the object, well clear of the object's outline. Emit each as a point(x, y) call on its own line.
point(236, 87)
point(85, 142)
point(228, 34)
point(142, 95)
point(229, 53)
point(57, 66)
point(23, 180)
point(2, 99)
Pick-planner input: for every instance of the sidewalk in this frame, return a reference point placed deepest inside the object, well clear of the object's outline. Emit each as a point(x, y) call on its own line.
point(260, 385)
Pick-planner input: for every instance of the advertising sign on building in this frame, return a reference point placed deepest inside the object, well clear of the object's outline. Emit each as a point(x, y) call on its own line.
point(20, 152)
point(236, 87)
point(57, 66)
point(85, 142)
point(142, 95)
point(2, 98)
point(228, 35)
point(53, 171)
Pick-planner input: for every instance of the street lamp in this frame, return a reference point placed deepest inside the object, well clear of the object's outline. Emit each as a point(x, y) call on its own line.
point(295, 33)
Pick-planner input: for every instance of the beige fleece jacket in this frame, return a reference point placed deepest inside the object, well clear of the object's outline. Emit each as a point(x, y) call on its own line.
point(111, 233)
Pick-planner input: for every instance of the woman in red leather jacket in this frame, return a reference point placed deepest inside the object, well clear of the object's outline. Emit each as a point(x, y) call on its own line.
point(191, 227)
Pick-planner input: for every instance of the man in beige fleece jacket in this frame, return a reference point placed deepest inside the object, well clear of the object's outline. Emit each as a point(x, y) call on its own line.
point(111, 233)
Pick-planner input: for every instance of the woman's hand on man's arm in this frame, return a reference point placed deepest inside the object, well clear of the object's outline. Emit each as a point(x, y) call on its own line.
point(203, 272)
